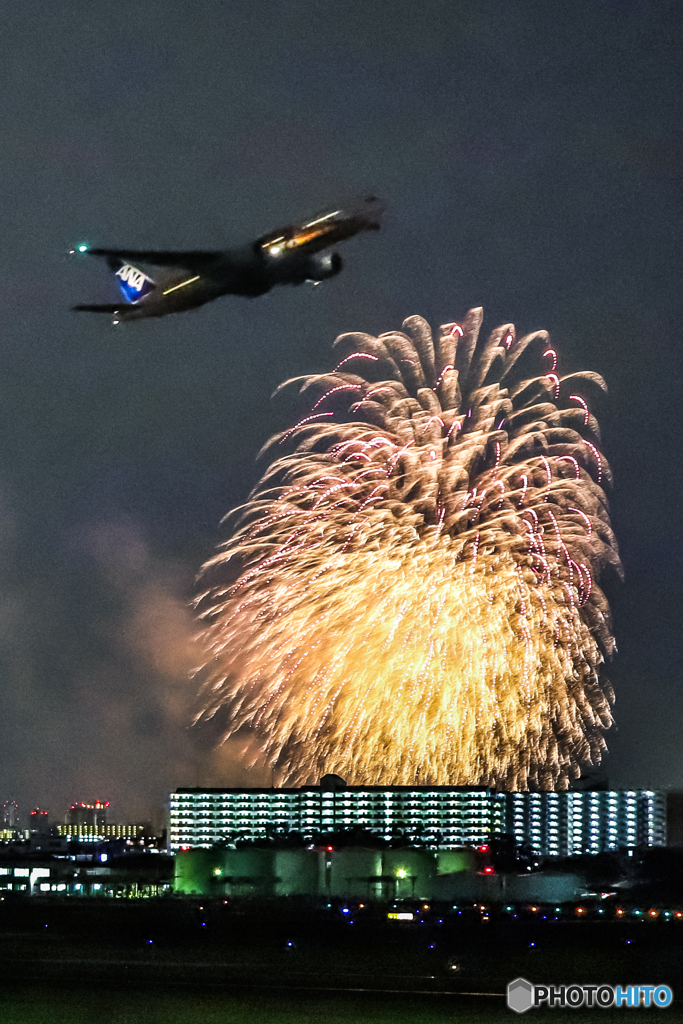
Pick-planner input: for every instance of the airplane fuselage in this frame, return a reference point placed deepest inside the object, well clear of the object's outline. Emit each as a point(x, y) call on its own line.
point(156, 283)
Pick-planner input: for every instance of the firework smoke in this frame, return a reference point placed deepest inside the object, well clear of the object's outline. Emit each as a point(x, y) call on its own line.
point(412, 591)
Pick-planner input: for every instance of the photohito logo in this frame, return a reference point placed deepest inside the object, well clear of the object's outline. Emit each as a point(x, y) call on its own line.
point(523, 996)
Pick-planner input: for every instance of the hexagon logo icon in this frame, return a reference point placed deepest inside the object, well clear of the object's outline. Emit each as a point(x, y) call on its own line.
point(520, 995)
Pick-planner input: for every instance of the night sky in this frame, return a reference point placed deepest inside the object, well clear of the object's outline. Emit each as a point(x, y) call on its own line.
point(531, 157)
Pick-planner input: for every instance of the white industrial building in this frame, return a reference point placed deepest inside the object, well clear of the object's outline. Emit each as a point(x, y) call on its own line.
point(553, 824)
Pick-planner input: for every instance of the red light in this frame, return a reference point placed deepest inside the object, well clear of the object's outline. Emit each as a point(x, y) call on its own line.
point(329, 849)
point(483, 849)
point(488, 871)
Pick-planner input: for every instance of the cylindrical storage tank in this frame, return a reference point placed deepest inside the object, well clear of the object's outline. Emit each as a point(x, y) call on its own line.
point(545, 887)
point(468, 886)
point(413, 870)
point(350, 872)
point(193, 871)
point(249, 872)
point(296, 872)
point(451, 861)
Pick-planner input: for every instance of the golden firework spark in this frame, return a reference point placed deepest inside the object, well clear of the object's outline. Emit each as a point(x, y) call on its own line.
point(412, 590)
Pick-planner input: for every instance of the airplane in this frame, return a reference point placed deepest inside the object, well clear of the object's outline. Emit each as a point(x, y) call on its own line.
point(176, 281)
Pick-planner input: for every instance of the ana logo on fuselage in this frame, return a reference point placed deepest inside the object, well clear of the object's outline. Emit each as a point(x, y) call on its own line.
point(132, 276)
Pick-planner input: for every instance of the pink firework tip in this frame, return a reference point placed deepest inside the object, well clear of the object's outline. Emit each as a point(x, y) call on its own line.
point(357, 355)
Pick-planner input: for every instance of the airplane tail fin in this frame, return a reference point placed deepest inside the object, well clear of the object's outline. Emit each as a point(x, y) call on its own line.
point(134, 284)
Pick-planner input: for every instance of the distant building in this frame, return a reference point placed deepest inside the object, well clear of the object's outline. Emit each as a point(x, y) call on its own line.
point(9, 815)
point(94, 814)
point(87, 823)
point(590, 821)
point(554, 824)
point(39, 821)
point(101, 833)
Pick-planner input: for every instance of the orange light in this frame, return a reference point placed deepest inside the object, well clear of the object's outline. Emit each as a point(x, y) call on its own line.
point(654, 913)
point(619, 913)
point(307, 236)
point(580, 910)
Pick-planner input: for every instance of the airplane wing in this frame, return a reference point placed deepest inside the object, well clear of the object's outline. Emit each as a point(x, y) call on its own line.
point(160, 258)
point(107, 307)
point(326, 229)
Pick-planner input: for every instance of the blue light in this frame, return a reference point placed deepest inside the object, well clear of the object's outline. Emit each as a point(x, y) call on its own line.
point(345, 910)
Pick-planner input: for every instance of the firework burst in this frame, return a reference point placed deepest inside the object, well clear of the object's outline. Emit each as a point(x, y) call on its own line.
point(411, 593)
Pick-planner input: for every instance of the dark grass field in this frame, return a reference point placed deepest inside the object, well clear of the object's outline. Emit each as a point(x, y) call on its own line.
point(83, 961)
point(40, 1004)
